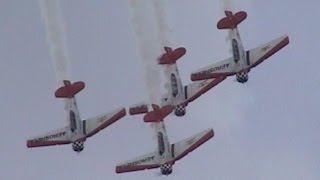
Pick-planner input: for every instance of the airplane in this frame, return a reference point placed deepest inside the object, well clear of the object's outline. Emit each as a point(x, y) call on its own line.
point(78, 130)
point(178, 95)
point(166, 154)
point(242, 61)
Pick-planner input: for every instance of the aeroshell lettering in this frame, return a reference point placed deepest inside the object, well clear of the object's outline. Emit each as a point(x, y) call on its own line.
point(140, 161)
point(217, 68)
point(50, 137)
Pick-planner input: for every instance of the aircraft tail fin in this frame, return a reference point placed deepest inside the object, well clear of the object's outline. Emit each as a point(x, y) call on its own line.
point(171, 56)
point(69, 89)
point(231, 20)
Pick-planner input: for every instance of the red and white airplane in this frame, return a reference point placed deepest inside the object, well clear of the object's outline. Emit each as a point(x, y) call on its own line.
point(178, 95)
point(78, 130)
point(166, 154)
point(242, 61)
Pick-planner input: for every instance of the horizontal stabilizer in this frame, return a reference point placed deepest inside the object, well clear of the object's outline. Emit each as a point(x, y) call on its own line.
point(182, 148)
point(56, 137)
point(232, 20)
point(69, 89)
point(138, 109)
point(170, 57)
point(158, 114)
point(148, 161)
point(94, 125)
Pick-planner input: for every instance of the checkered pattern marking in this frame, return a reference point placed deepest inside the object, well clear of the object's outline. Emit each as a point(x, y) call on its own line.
point(242, 77)
point(180, 110)
point(78, 146)
point(166, 169)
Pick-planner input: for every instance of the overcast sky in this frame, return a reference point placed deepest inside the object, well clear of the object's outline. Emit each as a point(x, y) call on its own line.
point(265, 129)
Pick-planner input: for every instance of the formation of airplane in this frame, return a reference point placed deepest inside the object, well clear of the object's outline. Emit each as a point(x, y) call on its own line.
point(77, 130)
point(242, 61)
point(178, 95)
point(175, 100)
point(166, 154)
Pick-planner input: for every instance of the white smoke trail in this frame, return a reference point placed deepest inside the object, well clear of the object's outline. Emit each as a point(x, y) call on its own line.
point(227, 4)
point(163, 28)
point(145, 29)
point(50, 11)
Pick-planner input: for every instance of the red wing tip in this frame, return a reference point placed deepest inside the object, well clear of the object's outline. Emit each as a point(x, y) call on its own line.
point(286, 40)
point(118, 169)
point(123, 112)
point(210, 134)
point(183, 50)
point(29, 144)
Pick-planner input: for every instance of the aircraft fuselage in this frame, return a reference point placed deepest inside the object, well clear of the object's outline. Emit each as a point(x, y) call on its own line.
point(164, 148)
point(175, 94)
point(237, 48)
point(239, 56)
point(75, 124)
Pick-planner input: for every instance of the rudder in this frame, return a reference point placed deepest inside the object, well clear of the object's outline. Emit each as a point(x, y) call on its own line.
point(232, 20)
point(69, 89)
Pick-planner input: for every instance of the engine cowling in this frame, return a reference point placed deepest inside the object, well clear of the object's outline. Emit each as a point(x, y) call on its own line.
point(179, 111)
point(242, 77)
point(166, 169)
point(78, 146)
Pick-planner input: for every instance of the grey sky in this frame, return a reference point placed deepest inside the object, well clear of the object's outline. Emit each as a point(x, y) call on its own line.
point(265, 129)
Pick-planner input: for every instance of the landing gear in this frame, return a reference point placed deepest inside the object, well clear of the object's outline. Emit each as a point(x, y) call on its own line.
point(78, 146)
point(179, 111)
point(166, 169)
point(242, 77)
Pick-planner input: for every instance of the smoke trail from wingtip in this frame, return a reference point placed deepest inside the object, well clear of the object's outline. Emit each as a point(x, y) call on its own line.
point(50, 12)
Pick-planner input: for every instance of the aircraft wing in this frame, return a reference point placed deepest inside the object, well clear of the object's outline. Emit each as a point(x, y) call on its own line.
point(93, 125)
point(195, 89)
point(222, 68)
point(182, 148)
point(147, 161)
point(55, 137)
point(261, 53)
